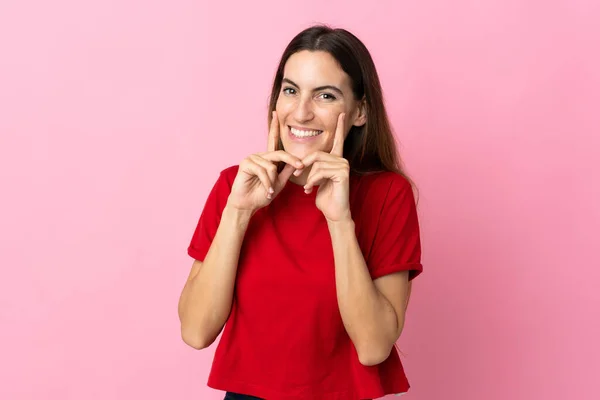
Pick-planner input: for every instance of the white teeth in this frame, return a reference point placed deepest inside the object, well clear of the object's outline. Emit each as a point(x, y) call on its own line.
point(300, 133)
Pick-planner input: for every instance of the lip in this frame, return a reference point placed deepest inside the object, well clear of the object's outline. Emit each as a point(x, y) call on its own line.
point(304, 139)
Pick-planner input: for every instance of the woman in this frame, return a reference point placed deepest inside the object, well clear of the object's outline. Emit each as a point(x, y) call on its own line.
point(308, 250)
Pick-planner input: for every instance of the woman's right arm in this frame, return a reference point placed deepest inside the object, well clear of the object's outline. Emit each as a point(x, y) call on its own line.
point(206, 298)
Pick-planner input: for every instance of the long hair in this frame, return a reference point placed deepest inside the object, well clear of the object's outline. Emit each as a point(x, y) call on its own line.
point(368, 148)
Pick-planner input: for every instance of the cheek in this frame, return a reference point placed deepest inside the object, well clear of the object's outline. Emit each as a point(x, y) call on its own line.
point(283, 109)
point(328, 117)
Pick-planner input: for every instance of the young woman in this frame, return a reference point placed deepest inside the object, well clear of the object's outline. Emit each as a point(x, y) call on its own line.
point(305, 253)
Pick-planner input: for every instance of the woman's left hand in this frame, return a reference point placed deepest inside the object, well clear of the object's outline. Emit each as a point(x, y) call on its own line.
point(331, 172)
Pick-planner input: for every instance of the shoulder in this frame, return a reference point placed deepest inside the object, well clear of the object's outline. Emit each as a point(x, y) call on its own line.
point(382, 185)
point(227, 175)
point(223, 182)
point(230, 172)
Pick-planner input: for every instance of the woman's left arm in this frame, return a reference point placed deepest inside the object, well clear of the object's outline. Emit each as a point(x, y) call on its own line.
point(372, 310)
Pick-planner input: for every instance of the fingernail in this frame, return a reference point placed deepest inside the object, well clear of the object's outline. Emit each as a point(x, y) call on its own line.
point(271, 190)
point(297, 172)
point(299, 164)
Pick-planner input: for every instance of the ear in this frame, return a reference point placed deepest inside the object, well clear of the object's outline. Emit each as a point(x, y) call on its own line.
point(361, 117)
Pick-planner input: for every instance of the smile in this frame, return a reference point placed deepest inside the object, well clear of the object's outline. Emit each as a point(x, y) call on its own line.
point(304, 133)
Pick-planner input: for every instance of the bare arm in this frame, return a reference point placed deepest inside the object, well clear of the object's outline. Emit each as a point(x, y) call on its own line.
point(372, 311)
point(205, 301)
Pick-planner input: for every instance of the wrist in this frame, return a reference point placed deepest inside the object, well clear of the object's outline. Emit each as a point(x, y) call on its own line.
point(341, 225)
point(239, 217)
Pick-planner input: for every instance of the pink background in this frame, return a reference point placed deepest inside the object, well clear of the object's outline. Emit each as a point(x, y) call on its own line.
point(116, 117)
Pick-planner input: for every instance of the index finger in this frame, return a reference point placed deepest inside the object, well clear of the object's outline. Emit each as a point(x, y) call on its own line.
point(273, 133)
point(338, 142)
point(280, 155)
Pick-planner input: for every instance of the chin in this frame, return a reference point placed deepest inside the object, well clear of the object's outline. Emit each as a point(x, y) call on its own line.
point(299, 151)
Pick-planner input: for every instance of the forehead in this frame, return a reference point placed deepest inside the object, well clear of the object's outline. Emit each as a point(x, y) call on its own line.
point(315, 68)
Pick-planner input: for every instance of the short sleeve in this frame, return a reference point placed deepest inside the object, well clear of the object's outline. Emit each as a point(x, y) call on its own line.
point(397, 243)
point(211, 215)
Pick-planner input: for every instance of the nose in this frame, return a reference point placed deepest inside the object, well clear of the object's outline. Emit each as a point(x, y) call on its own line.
point(303, 111)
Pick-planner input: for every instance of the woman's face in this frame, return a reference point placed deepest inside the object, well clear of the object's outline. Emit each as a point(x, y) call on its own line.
point(314, 92)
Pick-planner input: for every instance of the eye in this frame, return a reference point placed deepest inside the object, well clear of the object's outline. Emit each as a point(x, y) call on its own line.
point(327, 96)
point(289, 90)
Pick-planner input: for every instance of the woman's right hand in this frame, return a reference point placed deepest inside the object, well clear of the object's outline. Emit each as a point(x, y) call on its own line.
point(257, 181)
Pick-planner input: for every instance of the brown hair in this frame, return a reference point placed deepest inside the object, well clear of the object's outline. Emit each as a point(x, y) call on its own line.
point(368, 148)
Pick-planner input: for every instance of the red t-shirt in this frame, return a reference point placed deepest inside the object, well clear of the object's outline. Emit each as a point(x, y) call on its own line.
point(284, 339)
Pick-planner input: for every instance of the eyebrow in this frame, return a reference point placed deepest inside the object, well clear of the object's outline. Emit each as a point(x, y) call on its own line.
point(326, 87)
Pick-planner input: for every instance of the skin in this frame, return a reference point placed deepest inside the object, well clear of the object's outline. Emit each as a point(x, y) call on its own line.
point(373, 312)
point(302, 104)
